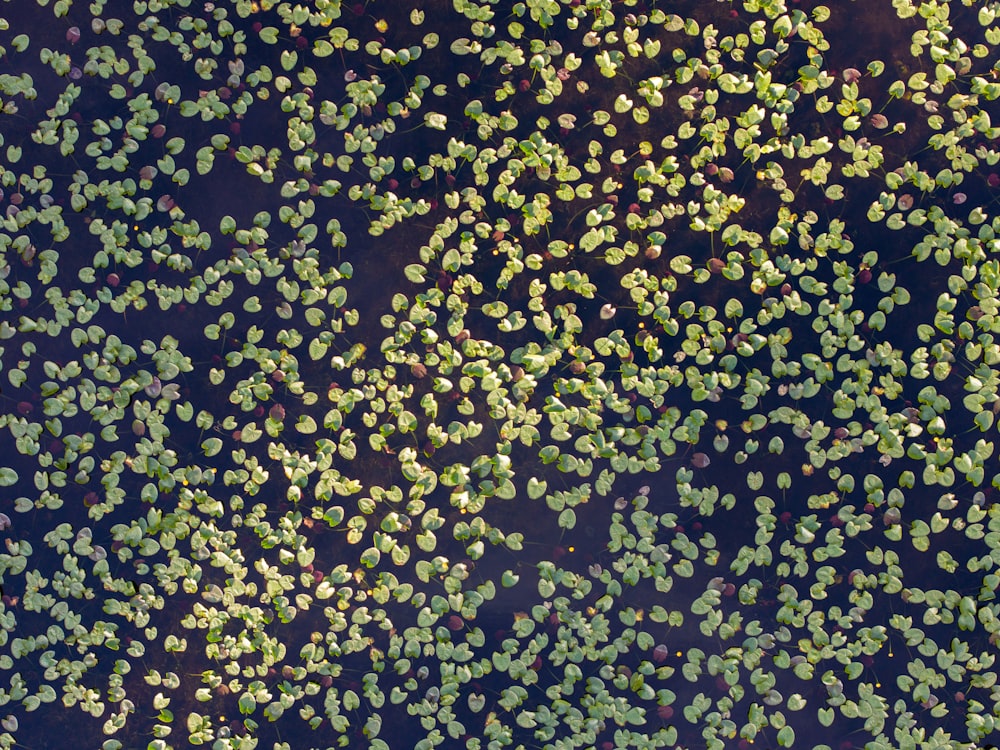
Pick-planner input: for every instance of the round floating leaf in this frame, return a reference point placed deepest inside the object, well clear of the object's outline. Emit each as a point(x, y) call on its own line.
point(536, 488)
point(567, 519)
point(415, 273)
point(306, 425)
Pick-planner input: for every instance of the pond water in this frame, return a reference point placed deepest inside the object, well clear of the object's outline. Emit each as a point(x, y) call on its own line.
point(457, 374)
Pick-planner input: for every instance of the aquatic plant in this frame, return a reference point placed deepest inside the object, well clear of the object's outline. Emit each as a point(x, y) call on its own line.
point(552, 374)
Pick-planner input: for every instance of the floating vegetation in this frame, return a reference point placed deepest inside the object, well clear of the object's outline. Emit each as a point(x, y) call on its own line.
point(552, 374)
